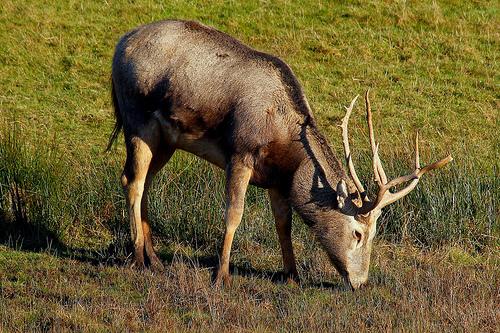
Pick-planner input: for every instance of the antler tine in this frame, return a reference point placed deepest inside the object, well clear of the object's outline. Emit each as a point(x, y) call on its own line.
point(375, 166)
point(384, 197)
point(417, 154)
point(378, 170)
point(347, 150)
point(436, 165)
point(389, 197)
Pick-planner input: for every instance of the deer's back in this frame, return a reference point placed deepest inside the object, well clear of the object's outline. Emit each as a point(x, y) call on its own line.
point(209, 87)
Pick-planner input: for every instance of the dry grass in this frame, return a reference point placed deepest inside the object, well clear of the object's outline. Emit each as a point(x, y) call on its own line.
point(410, 290)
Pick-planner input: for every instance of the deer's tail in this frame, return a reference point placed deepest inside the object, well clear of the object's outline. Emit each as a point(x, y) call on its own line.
point(118, 118)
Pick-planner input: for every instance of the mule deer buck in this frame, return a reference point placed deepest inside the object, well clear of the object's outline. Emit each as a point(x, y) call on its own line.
point(183, 85)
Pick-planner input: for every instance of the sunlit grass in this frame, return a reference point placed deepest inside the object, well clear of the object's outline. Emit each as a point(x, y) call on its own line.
point(431, 64)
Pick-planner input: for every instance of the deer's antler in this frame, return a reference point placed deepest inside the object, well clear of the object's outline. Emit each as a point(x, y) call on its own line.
point(384, 196)
point(347, 150)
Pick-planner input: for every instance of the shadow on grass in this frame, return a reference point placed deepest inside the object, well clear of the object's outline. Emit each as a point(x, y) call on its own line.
point(329, 285)
point(243, 269)
point(211, 262)
point(21, 233)
point(32, 239)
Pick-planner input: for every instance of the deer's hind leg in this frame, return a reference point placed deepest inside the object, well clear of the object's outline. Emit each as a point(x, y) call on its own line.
point(159, 160)
point(144, 158)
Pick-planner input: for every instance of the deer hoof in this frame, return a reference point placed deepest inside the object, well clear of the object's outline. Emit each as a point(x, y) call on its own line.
point(156, 264)
point(292, 278)
point(223, 279)
point(138, 263)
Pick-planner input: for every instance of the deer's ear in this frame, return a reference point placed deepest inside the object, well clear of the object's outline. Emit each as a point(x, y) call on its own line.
point(342, 194)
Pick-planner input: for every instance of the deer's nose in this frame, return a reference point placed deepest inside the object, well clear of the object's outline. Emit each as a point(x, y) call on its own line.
point(356, 282)
point(355, 285)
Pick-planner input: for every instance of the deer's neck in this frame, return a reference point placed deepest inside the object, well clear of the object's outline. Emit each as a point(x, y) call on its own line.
point(315, 180)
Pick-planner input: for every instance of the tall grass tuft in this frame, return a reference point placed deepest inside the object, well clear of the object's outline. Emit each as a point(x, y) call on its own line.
point(50, 200)
point(453, 206)
point(31, 197)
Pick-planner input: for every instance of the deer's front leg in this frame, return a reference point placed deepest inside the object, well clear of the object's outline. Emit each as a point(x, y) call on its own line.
point(237, 179)
point(283, 218)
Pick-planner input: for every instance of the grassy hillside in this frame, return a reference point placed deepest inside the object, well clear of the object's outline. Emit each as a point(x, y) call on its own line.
point(432, 67)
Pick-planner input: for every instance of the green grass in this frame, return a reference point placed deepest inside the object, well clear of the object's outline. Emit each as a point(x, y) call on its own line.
point(432, 67)
point(82, 207)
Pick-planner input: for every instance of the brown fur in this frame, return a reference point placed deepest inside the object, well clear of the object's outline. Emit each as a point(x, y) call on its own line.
point(182, 85)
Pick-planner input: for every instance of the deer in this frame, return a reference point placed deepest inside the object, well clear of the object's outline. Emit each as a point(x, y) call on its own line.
point(183, 85)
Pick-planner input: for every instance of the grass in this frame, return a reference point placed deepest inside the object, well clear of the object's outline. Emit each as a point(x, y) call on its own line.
point(432, 65)
point(410, 290)
point(80, 206)
point(63, 266)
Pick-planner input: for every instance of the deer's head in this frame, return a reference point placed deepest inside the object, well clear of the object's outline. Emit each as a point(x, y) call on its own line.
point(348, 239)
